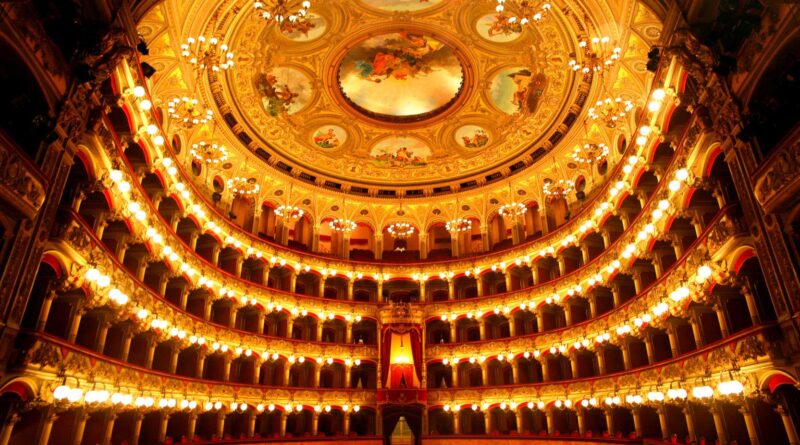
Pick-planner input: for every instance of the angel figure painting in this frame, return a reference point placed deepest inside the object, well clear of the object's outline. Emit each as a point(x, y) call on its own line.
point(283, 91)
point(400, 74)
point(329, 137)
point(472, 136)
point(402, 5)
point(499, 28)
point(400, 152)
point(517, 90)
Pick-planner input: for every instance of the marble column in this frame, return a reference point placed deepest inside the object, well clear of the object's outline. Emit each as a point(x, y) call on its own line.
point(192, 425)
point(8, 428)
point(719, 424)
point(788, 424)
point(750, 424)
point(163, 422)
point(80, 426)
point(46, 426)
point(609, 413)
point(108, 428)
point(692, 433)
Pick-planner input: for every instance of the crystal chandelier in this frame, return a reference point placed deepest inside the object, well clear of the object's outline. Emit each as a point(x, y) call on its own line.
point(558, 189)
point(590, 153)
point(610, 111)
point(207, 54)
point(512, 209)
point(188, 111)
point(209, 152)
point(289, 212)
point(458, 225)
point(283, 12)
point(599, 54)
point(523, 12)
point(400, 230)
point(243, 186)
point(342, 225)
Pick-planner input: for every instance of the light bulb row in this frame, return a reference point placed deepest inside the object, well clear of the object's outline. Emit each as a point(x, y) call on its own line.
point(101, 284)
point(125, 186)
point(640, 240)
point(204, 217)
point(75, 395)
point(213, 280)
point(659, 311)
point(731, 388)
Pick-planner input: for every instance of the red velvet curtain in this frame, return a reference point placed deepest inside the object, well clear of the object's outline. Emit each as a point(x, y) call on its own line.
point(386, 350)
point(416, 350)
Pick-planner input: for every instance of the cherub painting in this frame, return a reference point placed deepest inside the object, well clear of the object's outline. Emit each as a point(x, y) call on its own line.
point(329, 137)
point(517, 90)
point(498, 28)
point(478, 139)
point(406, 56)
point(400, 152)
point(283, 91)
point(502, 25)
point(306, 29)
point(401, 74)
point(402, 5)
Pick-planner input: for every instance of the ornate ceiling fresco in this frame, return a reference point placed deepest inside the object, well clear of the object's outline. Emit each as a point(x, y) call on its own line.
point(415, 98)
point(400, 94)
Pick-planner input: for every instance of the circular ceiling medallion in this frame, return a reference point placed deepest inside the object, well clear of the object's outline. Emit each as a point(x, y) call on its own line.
point(311, 29)
point(472, 136)
point(497, 31)
point(402, 5)
point(517, 90)
point(329, 137)
point(401, 77)
point(284, 90)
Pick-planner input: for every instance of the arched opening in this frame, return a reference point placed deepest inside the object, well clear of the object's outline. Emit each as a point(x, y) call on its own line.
point(362, 243)
point(401, 248)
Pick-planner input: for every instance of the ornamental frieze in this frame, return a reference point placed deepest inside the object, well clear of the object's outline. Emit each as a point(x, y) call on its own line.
point(776, 185)
point(20, 185)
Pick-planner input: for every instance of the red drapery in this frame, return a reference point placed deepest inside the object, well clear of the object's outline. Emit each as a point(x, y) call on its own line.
point(416, 350)
point(386, 350)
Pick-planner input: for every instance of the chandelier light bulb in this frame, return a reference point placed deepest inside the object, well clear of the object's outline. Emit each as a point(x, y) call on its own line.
point(590, 153)
point(611, 111)
point(558, 189)
point(209, 152)
point(289, 212)
point(513, 14)
point(342, 225)
point(400, 230)
point(287, 15)
point(512, 210)
point(241, 186)
point(459, 225)
point(598, 55)
point(188, 111)
point(207, 54)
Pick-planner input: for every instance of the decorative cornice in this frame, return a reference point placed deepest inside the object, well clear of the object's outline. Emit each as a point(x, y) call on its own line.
point(20, 182)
